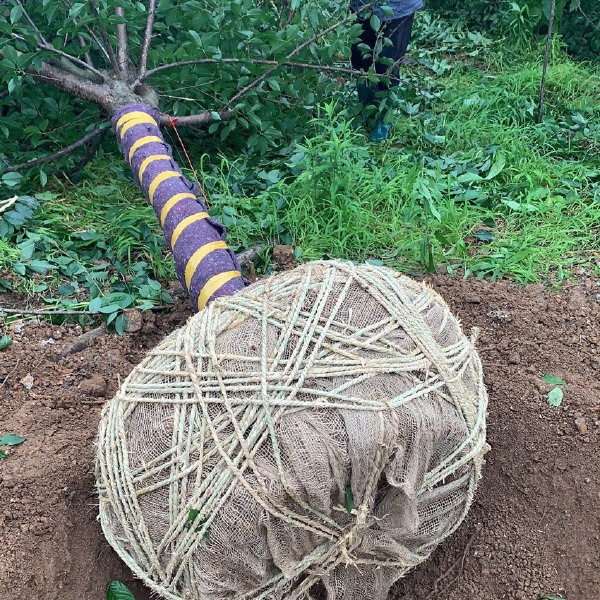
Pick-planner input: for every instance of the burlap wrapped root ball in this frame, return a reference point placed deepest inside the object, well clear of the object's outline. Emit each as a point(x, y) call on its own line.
point(314, 436)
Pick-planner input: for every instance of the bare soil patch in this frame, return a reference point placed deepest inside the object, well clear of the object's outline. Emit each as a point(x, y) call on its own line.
point(535, 524)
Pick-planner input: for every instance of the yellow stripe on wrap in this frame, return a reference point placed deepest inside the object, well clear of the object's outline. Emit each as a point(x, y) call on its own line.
point(136, 121)
point(148, 139)
point(195, 259)
point(184, 224)
point(134, 114)
point(148, 161)
point(170, 203)
point(213, 285)
point(158, 180)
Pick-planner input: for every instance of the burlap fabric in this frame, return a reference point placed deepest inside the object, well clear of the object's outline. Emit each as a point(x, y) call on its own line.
point(314, 436)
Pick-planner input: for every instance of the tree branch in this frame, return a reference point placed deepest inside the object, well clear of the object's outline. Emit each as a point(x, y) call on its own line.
point(200, 61)
point(43, 44)
point(147, 39)
point(111, 55)
point(122, 57)
point(86, 56)
point(299, 48)
point(93, 135)
point(89, 153)
point(88, 90)
point(92, 35)
point(198, 119)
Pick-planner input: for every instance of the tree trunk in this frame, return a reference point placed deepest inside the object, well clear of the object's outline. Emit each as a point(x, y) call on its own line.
point(206, 267)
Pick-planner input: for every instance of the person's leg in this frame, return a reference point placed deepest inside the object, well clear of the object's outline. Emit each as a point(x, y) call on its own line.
point(398, 32)
point(362, 61)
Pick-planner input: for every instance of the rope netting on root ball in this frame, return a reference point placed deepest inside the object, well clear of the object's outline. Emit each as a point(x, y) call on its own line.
point(315, 435)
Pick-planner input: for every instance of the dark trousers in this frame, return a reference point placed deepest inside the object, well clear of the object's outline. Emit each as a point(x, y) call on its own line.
point(398, 31)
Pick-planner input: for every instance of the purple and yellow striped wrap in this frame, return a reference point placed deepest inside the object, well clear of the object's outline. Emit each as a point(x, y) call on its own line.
point(204, 264)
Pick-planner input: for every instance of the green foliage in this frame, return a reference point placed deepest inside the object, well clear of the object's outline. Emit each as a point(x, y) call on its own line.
point(86, 253)
point(469, 181)
point(36, 119)
point(576, 20)
point(5, 341)
point(118, 591)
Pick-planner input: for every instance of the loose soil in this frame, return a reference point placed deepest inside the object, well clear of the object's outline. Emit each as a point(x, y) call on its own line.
point(535, 525)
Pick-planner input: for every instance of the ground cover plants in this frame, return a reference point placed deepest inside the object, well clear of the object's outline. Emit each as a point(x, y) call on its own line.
point(469, 183)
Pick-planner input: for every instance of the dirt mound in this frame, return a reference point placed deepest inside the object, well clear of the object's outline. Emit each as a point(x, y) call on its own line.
point(533, 529)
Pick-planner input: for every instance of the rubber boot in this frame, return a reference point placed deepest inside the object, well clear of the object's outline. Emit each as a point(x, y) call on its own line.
point(383, 128)
point(381, 131)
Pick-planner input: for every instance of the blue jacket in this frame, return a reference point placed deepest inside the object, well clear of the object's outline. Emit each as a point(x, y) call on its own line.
point(399, 8)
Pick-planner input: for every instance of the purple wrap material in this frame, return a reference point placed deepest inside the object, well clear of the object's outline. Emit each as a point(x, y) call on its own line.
point(199, 246)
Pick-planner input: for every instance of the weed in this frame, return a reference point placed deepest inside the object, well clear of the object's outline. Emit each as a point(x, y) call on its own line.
point(118, 591)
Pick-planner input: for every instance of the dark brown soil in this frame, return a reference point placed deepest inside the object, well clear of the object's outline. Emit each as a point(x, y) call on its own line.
point(534, 528)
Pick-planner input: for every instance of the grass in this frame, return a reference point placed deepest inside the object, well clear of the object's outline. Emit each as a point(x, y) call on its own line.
point(469, 183)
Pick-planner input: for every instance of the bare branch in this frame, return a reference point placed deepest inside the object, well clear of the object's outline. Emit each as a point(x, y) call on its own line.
point(200, 61)
point(88, 90)
point(67, 65)
point(43, 44)
point(111, 55)
point(293, 53)
point(147, 39)
point(97, 133)
point(199, 119)
point(89, 153)
point(92, 35)
point(122, 50)
point(31, 21)
point(250, 254)
point(86, 56)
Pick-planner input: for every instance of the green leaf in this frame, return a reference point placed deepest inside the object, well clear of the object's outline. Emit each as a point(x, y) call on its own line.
point(192, 515)
point(555, 397)
point(12, 179)
point(120, 324)
point(191, 520)
point(118, 591)
point(15, 14)
point(553, 380)
point(109, 308)
point(375, 22)
point(468, 177)
point(196, 37)
point(2, 454)
point(5, 341)
point(497, 167)
point(10, 439)
point(348, 499)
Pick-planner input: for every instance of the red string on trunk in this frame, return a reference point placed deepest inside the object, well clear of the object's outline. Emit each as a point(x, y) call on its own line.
point(172, 124)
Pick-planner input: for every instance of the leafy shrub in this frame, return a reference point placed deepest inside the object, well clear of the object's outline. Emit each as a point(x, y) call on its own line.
point(577, 19)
